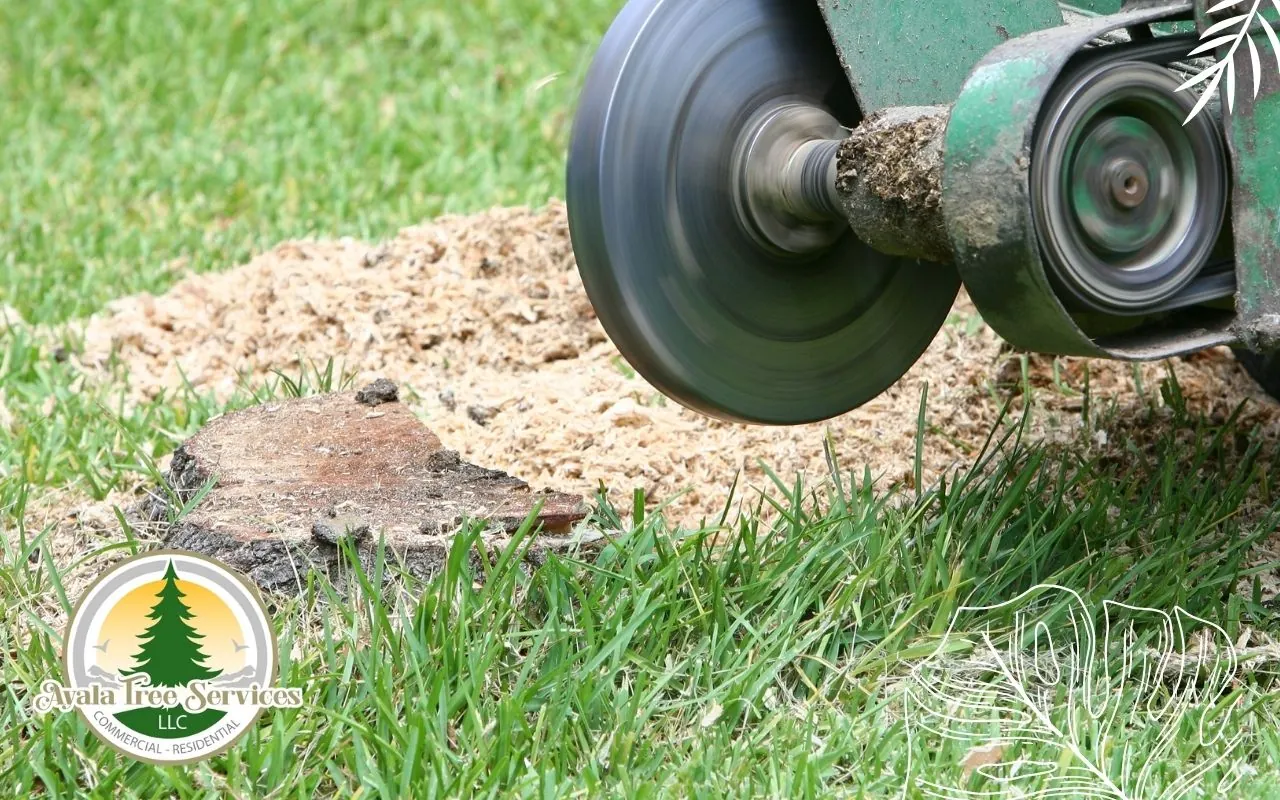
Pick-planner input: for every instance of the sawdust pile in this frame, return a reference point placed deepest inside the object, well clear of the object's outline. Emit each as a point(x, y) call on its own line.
point(484, 320)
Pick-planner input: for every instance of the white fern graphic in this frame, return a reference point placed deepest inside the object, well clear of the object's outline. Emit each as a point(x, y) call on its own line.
point(1231, 32)
point(1047, 687)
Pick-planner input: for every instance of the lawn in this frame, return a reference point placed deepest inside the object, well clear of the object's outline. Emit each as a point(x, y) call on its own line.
point(786, 654)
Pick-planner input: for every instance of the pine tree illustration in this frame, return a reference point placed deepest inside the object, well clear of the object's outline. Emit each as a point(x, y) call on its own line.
point(170, 652)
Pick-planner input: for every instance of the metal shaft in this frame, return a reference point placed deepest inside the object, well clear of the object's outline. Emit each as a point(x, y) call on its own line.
point(786, 189)
point(806, 180)
point(808, 186)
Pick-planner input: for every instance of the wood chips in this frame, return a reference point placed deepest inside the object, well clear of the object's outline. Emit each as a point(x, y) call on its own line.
point(484, 322)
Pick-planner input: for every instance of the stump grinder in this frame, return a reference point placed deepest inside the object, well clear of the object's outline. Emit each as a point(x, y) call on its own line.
point(773, 203)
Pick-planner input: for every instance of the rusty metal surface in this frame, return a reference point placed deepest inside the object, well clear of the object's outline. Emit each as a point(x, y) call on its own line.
point(911, 53)
point(986, 198)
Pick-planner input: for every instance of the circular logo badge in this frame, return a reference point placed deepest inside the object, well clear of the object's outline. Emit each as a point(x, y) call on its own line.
point(170, 657)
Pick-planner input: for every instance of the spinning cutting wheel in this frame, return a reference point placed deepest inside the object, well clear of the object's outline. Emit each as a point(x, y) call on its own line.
point(705, 221)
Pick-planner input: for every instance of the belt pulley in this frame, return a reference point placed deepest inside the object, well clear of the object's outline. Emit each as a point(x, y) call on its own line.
point(1128, 201)
point(1083, 216)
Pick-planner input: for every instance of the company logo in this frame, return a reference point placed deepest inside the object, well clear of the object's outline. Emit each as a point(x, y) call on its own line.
point(170, 658)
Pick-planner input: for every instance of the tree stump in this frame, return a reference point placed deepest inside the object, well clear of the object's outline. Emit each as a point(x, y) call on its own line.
point(290, 482)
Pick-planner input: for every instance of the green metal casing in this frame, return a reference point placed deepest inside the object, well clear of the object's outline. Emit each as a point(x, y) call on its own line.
point(1253, 139)
point(1096, 6)
point(919, 53)
point(987, 202)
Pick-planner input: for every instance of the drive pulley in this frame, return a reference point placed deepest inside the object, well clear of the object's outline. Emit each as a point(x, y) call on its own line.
point(1083, 215)
point(1128, 200)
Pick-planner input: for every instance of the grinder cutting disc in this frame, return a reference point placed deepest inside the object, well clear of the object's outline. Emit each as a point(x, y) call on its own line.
point(708, 314)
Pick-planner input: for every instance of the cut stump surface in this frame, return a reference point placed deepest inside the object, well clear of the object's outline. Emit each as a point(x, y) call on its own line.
point(290, 480)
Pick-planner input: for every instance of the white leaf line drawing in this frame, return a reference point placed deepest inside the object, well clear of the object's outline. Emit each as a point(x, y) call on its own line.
point(1065, 696)
point(1233, 31)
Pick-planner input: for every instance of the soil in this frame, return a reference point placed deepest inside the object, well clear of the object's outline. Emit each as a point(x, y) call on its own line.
point(379, 392)
point(483, 322)
point(884, 151)
point(889, 172)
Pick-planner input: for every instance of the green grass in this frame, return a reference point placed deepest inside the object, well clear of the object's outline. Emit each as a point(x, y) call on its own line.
point(150, 136)
point(147, 137)
point(769, 664)
point(146, 133)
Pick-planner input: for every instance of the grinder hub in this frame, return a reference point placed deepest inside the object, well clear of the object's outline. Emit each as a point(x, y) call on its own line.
point(1128, 202)
point(785, 181)
point(705, 223)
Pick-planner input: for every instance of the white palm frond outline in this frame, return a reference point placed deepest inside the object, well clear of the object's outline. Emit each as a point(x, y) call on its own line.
point(1231, 32)
point(1058, 687)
